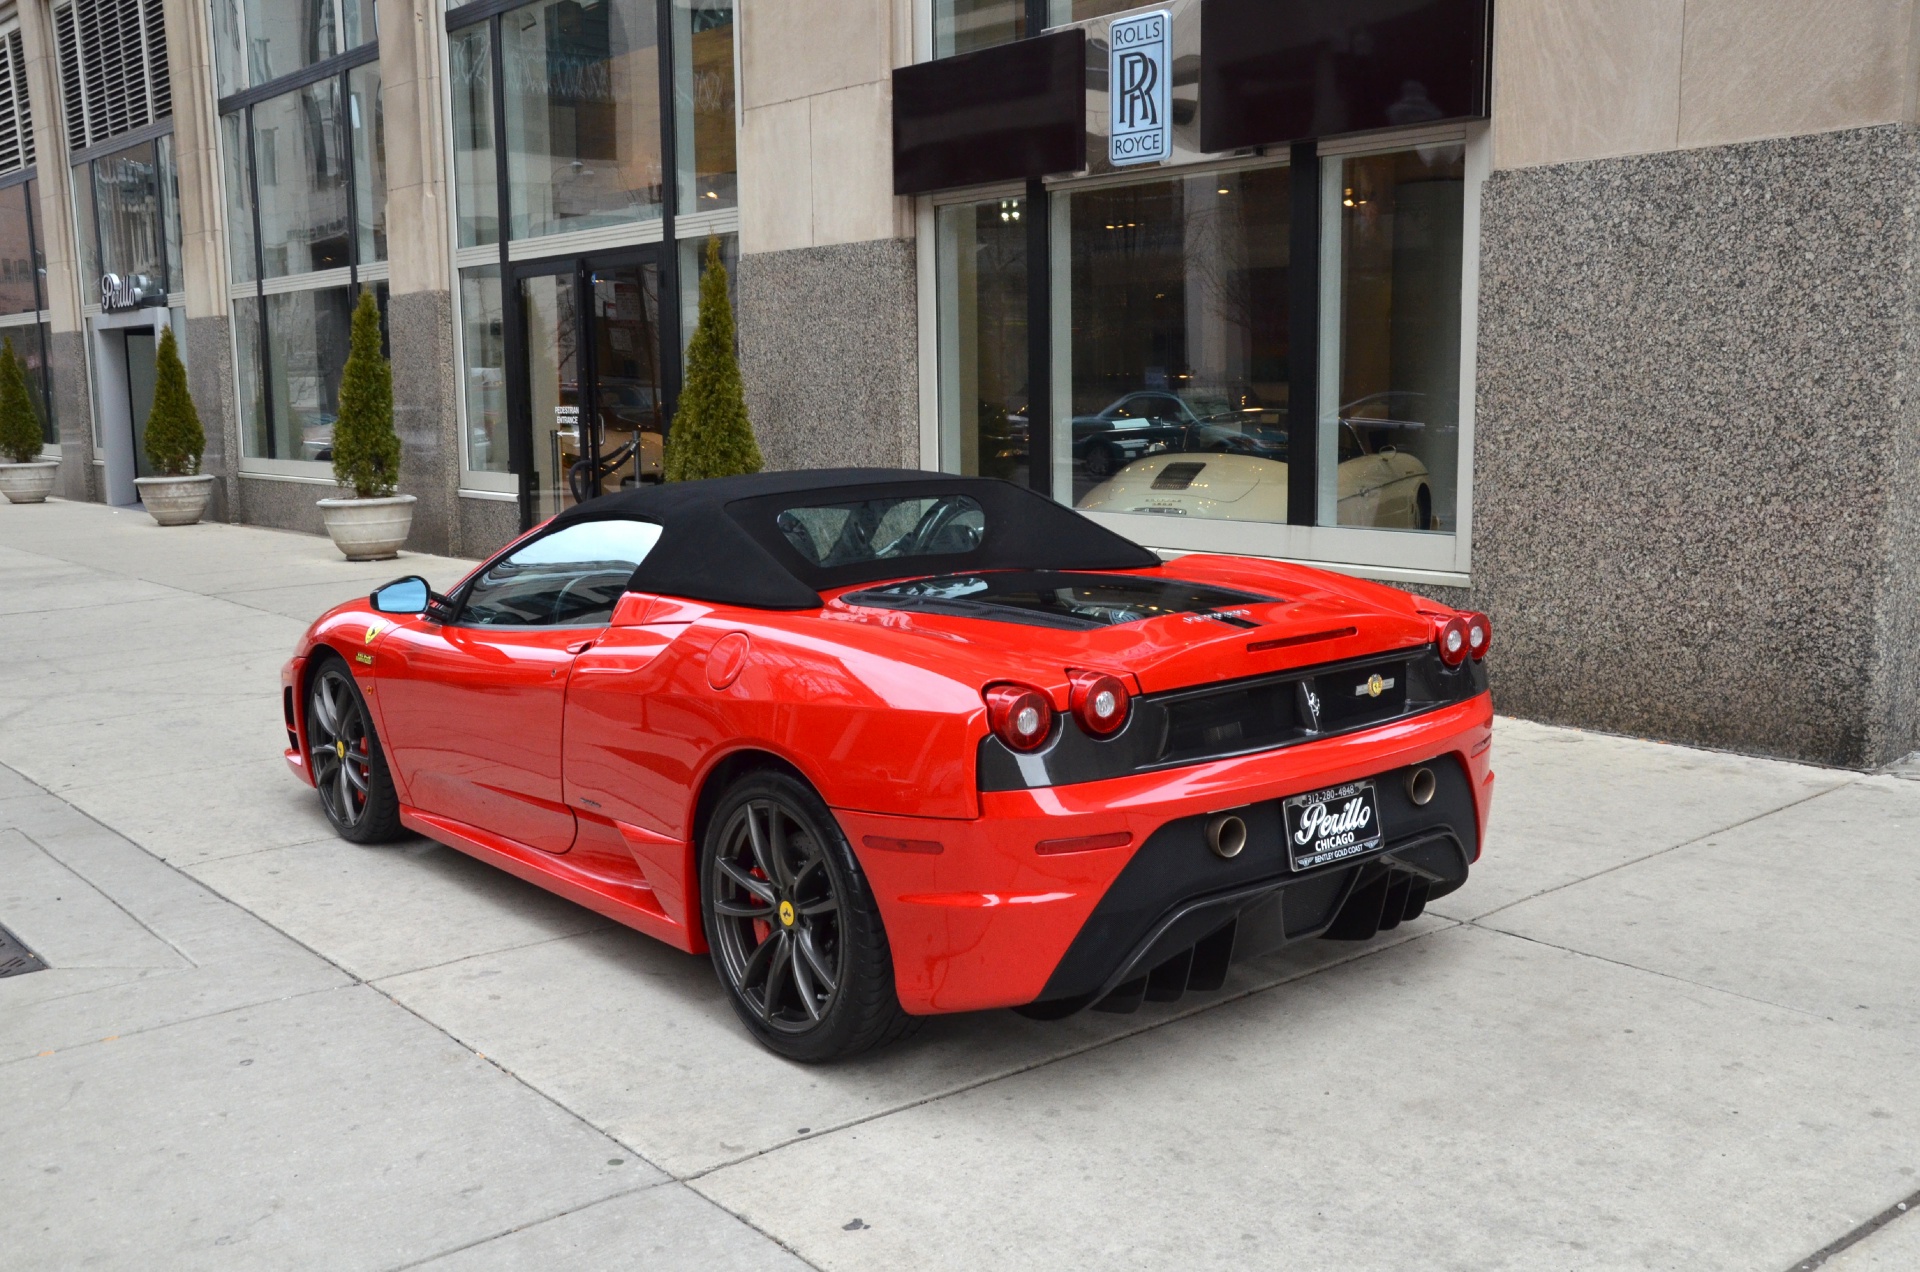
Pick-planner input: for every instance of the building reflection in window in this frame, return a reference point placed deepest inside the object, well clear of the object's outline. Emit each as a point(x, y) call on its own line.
point(1178, 361)
point(583, 114)
point(984, 391)
point(703, 92)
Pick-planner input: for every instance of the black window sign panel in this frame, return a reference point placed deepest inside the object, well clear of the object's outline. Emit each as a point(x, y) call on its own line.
point(1277, 71)
point(1002, 114)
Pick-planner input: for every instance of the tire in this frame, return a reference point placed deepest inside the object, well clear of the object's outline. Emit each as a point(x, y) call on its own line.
point(796, 938)
point(348, 764)
point(1099, 462)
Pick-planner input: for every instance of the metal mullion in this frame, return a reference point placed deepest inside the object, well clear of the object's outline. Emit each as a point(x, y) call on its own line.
point(1303, 336)
point(260, 291)
point(39, 293)
point(479, 11)
point(19, 176)
point(512, 308)
point(353, 182)
point(338, 64)
point(39, 308)
point(1039, 312)
point(666, 328)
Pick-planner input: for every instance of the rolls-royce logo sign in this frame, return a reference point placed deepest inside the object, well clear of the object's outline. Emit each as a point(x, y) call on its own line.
point(1140, 88)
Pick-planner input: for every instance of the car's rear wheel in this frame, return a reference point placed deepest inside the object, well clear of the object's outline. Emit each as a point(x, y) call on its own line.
point(349, 768)
point(796, 937)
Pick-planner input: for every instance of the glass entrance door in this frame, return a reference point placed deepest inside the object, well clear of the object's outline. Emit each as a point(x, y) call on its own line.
point(592, 379)
point(141, 375)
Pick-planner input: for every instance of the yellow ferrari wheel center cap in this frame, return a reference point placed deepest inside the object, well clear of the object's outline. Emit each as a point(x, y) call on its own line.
point(340, 749)
point(786, 913)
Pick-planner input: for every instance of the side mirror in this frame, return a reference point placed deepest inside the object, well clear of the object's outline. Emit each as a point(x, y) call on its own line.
point(410, 595)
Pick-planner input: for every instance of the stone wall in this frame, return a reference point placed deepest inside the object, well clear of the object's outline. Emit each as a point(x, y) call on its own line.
point(829, 351)
point(1696, 460)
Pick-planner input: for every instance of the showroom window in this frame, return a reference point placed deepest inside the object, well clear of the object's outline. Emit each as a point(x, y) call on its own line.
point(304, 160)
point(580, 174)
point(961, 26)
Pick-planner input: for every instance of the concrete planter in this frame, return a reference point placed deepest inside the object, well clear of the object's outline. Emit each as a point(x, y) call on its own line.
point(176, 501)
point(369, 529)
point(28, 483)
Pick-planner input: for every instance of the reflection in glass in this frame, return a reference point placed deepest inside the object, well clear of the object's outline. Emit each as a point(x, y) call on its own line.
point(583, 114)
point(693, 268)
point(360, 22)
point(285, 35)
point(30, 346)
point(300, 164)
point(256, 434)
point(1393, 435)
point(483, 350)
point(132, 229)
point(476, 192)
point(84, 231)
point(233, 137)
point(307, 340)
point(170, 211)
point(628, 410)
point(229, 57)
point(1060, 12)
point(961, 26)
point(703, 102)
point(1179, 356)
point(982, 259)
point(369, 160)
point(553, 385)
point(18, 295)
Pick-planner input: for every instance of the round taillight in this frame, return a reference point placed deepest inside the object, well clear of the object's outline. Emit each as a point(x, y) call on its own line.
point(1479, 635)
point(1019, 715)
point(1453, 641)
point(1100, 702)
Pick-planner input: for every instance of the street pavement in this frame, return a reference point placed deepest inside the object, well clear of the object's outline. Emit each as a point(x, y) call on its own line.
point(1669, 1023)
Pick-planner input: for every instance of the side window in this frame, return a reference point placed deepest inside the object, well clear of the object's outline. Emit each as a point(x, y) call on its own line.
point(572, 578)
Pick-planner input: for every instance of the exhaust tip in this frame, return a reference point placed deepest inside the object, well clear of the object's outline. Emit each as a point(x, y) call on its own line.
point(1421, 785)
point(1226, 835)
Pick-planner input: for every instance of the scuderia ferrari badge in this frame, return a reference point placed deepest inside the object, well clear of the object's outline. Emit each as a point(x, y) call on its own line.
point(373, 634)
point(1373, 686)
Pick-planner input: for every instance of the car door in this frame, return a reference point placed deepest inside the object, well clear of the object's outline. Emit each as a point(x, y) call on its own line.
point(475, 707)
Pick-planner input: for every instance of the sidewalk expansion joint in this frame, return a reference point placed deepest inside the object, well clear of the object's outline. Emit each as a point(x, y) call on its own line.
point(1897, 1210)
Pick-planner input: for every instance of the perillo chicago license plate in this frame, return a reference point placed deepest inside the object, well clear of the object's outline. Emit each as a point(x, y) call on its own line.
point(1332, 825)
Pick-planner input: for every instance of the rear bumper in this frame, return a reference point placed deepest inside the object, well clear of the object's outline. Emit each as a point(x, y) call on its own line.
point(991, 920)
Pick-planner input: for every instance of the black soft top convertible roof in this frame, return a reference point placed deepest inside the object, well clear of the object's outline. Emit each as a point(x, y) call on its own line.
point(719, 541)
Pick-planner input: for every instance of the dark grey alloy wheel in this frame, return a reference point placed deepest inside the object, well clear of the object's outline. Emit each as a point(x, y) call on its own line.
point(349, 769)
point(796, 938)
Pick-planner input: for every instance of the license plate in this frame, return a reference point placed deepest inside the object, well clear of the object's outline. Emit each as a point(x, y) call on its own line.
point(1332, 825)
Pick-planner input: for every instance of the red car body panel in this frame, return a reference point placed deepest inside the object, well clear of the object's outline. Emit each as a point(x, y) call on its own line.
point(577, 758)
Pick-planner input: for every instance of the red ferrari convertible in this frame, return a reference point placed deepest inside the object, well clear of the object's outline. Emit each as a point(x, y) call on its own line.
point(895, 743)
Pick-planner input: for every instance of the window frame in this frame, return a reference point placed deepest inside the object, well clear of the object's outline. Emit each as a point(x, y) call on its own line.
point(356, 275)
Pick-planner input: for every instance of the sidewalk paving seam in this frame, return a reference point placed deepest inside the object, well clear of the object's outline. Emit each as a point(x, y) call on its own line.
point(1661, 852)
point(668, 1182)
point(166, 1024)
point(975, 1084)
point(378, 982)
point(77, 873)
point(1649, 971)
point(1898, 1210)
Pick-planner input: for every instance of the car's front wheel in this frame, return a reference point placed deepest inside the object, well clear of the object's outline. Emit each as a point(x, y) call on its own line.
point(349, 768)
point(796, 937)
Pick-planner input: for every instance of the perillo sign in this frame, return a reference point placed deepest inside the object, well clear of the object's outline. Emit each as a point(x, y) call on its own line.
point(134, 291)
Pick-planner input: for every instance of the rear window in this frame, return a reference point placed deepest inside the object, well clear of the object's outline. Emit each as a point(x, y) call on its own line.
point(883, 529)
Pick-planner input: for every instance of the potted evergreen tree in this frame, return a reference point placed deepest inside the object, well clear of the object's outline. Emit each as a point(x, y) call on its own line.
point(24, 476)
point(374, 522)
point(711, 436)
point(178, 495)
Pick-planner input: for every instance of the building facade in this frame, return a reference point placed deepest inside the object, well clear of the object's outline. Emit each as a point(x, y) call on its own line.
point(1598, 315)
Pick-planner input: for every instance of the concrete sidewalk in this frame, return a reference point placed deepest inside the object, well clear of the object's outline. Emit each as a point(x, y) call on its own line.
point(1669, 1023)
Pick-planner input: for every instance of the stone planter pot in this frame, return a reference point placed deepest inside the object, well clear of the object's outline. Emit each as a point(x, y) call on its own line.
point(176, 501)
point(28, 483)
point(369, 529)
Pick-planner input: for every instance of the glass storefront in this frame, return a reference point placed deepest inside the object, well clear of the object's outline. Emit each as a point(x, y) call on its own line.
point(306, 231)
point(127, 207)
point(962, 26)
point(258, 41)
point(574, 300)
point(1172, 301)
point(23, 317)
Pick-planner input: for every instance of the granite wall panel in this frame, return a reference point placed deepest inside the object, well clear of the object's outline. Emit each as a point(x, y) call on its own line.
point(486, 525)
point(829, 351)
point(73, 414)
point(284, 504)
point(420, 343)
point(1695, 445)
point(210, 381)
